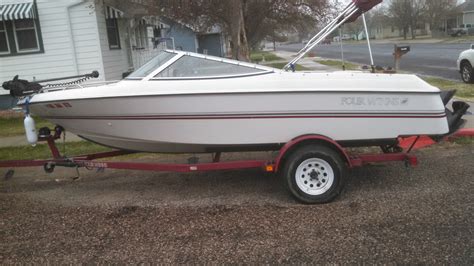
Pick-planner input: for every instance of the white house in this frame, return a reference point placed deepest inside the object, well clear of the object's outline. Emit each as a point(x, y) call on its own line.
point(41, 39)
point(465, 15)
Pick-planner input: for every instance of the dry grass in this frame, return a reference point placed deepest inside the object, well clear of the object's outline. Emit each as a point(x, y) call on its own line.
point(12, 124)
point(338, 64)
point(258, 57)
point(464, 91)
point(41, 151)
point(281, 65)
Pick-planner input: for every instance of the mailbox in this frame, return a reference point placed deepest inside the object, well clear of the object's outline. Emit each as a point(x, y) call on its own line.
point(398, 53)
point(403, 49)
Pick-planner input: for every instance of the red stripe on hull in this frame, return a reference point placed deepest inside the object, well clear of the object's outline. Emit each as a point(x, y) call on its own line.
point(229, 117)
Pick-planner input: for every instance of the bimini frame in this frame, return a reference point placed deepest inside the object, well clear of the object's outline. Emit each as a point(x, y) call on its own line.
point(349, 14)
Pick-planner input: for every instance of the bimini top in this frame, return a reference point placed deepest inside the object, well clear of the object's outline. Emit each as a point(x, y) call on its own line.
point(186, 65)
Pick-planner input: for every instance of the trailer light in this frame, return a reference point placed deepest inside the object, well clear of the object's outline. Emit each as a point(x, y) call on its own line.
point(269, 168)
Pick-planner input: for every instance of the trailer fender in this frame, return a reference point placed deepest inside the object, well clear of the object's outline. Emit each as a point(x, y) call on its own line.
point(306, 139)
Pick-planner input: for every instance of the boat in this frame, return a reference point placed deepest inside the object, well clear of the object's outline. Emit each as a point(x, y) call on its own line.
point(184, 102)
point(225, 105)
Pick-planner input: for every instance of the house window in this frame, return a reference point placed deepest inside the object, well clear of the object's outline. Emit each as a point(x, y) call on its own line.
point(141, 41)
point(144, 36)
point(113, 33)
point(26, 35)
point(20, 31)
point(4, 47)
point(138, 37)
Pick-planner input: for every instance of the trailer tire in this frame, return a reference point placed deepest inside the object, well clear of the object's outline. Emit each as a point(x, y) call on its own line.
point(314, 174)
point(49, 168)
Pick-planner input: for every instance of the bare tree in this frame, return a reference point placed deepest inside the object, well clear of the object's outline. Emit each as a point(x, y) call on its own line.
point(399, 15)
point(406, 15)
point(436, 11)
point(247, 21)
point(417, 9)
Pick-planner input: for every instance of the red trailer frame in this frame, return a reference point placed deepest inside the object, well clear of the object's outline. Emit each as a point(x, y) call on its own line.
point(326, 164)
point(91, 161)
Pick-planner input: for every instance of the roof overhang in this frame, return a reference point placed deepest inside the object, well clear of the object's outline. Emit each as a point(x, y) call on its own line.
point(25, 10)
point(112, 12)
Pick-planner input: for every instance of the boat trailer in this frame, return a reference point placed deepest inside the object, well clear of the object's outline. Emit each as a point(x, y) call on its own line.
point(401, 153)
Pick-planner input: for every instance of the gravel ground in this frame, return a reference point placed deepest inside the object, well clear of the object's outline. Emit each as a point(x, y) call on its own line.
point(387, 214)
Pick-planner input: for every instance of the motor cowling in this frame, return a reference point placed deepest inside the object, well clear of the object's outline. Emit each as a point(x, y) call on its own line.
point(20, 87)
point(455, 116)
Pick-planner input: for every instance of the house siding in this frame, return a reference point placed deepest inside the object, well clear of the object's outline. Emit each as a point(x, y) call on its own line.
point(212, 43)
point(185, 39)
point(69, 48)
point(468, 18)
point(85, 36)
point(115, 61)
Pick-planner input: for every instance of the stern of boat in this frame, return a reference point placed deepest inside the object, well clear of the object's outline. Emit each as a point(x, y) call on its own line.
point(455, 113)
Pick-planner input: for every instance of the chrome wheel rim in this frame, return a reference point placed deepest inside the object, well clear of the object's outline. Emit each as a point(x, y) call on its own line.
point(466, 74)
point(314, 176)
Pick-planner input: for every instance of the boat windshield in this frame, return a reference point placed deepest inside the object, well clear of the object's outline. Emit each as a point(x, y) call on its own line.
point(197, 67)
point(152, 65)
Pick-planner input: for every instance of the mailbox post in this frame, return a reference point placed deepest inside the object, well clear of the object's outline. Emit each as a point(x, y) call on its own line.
point(399, 51)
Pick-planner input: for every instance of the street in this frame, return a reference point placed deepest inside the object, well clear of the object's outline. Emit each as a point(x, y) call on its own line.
point(425, 59)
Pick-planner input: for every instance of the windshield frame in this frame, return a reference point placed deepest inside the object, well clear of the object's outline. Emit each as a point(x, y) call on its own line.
point(260, 70)
point(160, 68)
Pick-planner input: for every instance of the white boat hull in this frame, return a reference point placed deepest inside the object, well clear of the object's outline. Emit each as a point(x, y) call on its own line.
point(205, 122)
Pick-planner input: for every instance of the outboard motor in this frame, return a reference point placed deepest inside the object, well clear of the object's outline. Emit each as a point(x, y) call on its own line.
point(454, 117)
point(23, 88)
point(455, 120)
point(20, 87)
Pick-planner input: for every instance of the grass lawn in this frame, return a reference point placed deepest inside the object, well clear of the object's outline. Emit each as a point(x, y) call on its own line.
point(464, 91)
point(41, 151)
point(464, 141)
point(13, 126)
point(281, 65)
point(338, 64)
point(258, 57)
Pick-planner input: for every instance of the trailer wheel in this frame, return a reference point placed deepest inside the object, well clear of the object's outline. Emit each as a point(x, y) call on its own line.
point(9, 174)
point(49, 167)
point(315, 174)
